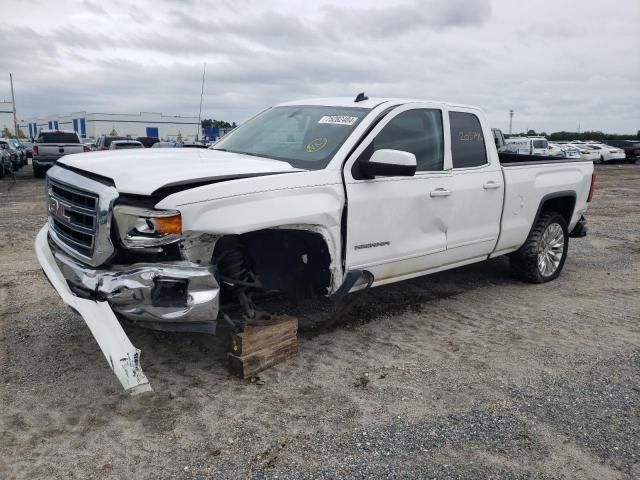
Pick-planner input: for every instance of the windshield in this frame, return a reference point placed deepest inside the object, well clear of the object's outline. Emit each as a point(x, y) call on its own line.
point(304, 136)
point(58, 137)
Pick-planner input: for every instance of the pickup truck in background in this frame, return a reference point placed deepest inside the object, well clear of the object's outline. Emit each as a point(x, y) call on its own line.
point(317, 197)
point(51, 145)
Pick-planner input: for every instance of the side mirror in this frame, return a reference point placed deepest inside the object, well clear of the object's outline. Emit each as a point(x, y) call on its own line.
point(390, 163)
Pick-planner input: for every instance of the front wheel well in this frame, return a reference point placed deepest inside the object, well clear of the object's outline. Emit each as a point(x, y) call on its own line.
point(294, 261)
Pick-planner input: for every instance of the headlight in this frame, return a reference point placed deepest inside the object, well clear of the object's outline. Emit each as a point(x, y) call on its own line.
point(145, 228)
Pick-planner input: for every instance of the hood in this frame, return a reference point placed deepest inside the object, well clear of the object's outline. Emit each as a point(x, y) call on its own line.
point(144, 171)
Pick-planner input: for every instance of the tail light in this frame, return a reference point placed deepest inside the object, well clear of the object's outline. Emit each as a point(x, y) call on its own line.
point(86, 148)
point(592, 187)
point(36, 150)
point(613, 151)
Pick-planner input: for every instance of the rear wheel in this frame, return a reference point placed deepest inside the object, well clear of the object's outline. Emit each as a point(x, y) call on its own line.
point(542, 256)
point(2, 172)
point(600, 160)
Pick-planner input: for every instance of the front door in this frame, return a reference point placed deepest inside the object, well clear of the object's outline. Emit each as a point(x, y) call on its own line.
point(397, 226)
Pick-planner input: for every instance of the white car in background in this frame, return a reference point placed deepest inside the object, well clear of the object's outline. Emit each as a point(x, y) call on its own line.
point(526, 145)
point(607, 152)
point(586, 152)
point(563, 150)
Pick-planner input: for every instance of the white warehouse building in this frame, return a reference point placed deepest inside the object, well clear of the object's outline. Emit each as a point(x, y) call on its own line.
point(6, 116)
point(93, 125)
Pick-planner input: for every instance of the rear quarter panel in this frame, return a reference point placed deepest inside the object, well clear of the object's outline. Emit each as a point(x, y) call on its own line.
point(525, 188)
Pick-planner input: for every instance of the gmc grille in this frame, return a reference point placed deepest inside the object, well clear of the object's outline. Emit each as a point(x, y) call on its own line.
point(73, 214)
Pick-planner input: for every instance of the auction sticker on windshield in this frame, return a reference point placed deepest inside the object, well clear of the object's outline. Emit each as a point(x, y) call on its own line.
point(338, 120)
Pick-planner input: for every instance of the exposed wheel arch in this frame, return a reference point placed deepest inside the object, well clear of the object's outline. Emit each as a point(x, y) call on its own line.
point(295, 259)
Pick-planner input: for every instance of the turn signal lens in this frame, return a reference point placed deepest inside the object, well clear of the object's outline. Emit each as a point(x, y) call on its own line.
point(168, 225)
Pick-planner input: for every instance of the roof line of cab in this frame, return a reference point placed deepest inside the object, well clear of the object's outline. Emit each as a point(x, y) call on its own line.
point(370, 103)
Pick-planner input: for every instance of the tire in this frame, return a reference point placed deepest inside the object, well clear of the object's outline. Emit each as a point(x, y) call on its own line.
point(38, 172)
point(2, 172)
point(536, 261)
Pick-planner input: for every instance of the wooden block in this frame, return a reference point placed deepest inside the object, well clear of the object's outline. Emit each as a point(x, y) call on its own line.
point(250, 365)
point(261, 336)
point(263, 345)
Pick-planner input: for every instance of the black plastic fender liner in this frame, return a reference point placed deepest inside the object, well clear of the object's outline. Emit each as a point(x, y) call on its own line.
point(350, 280)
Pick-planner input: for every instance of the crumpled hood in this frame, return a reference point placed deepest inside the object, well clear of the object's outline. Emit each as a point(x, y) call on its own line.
point(143, 171)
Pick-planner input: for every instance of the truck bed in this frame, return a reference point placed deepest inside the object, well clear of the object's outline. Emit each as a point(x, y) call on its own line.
point(515, 159)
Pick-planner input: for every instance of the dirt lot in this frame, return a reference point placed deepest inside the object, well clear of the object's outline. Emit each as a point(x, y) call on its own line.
point(465, 374)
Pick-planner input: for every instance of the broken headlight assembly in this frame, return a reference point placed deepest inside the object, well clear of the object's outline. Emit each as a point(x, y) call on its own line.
point(144, 228)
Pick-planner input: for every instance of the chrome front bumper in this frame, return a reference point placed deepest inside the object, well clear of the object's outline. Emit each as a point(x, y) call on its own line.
point(169, 296)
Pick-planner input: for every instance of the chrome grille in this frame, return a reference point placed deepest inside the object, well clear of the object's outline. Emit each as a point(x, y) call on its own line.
point(73, 215)
point(80, 210)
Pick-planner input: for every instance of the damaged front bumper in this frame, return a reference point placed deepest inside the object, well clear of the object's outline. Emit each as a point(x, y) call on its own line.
point(167, 296)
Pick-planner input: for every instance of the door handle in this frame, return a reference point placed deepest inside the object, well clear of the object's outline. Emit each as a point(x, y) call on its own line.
point(440, 192)
point(491, 185)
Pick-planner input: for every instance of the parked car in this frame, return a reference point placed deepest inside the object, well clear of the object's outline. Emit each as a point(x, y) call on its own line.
point(266, 210)
point(125, 144)
point(148, 142)
point(563, 150)
point(16, 163)
point(28, 147)
point(586, 152)
point(631, 148)
point(104, 141)
point(6, 164)
point(607, 152)
point(167, 145)
point(526, 145)
point(21, 149)
point(194, 145)
point(53, 144)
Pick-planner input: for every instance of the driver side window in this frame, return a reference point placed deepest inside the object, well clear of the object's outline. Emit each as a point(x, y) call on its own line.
point(416, 131)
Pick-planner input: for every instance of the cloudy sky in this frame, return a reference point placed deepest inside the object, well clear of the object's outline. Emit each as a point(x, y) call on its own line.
point(556, 63)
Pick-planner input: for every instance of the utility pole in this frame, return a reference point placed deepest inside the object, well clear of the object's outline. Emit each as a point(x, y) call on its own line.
point(510, 121)
point(204, 70)
point(13, 102)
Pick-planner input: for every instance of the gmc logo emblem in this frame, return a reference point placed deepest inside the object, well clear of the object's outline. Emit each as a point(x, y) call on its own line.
point(57, 209)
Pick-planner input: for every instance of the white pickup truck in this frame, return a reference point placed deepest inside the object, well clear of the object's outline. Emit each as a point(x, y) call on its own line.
point(315, 197)
point(51, 145)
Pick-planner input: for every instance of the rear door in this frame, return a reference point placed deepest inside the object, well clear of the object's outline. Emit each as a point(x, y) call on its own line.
point(396, 226)
point(478, 188)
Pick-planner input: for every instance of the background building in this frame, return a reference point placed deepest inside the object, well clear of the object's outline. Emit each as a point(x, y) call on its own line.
point(6, 116)
point(93, 125)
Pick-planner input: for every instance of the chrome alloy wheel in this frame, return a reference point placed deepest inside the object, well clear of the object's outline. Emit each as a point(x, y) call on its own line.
point(550, 249)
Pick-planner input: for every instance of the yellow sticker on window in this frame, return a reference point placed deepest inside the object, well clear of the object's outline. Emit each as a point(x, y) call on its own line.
point(317, 144)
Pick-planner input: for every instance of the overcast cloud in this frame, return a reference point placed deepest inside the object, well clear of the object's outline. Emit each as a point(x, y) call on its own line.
point(557, 63)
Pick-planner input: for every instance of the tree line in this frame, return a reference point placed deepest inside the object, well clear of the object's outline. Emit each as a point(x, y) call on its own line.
point(209, 122)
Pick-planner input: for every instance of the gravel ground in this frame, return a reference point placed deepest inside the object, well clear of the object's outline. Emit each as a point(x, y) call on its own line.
point(463, 374)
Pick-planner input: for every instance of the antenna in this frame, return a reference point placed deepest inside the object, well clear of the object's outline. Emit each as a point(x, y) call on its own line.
point(204, 70)
point(361, 97)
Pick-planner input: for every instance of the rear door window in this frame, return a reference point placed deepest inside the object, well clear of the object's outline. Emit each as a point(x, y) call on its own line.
point(58, 137)
point(467, 142)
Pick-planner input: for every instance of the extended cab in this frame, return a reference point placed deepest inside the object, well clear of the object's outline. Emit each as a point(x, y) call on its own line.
point(51, 145)
point(316, 197)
